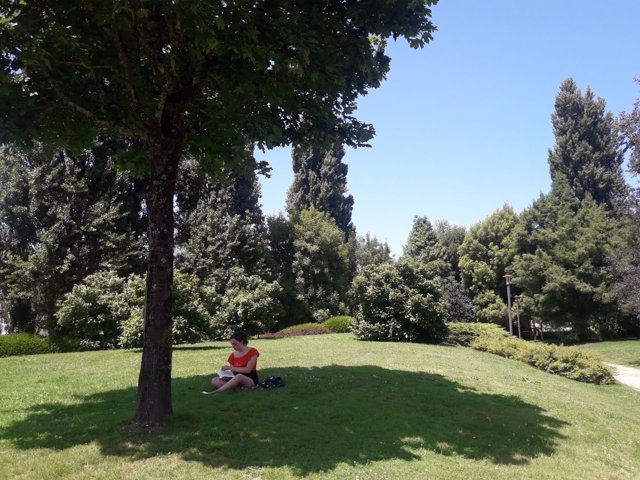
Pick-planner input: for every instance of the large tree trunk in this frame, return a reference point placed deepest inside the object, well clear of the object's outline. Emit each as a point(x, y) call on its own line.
point(154, 383)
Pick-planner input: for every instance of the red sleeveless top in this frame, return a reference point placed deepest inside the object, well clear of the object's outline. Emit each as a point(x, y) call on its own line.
point(243, 360)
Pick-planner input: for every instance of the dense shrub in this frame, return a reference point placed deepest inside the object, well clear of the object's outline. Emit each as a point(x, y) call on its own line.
point(30, 344)
point(565, 361)
point(465, 333)
point(399, 302)
point(339, 324)
point(94, 310)
point(191, 317)
point(249, 303)
point(106, 311)
point(132, 329)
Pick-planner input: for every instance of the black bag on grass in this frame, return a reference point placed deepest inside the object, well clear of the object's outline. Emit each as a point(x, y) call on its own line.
point(272, 382)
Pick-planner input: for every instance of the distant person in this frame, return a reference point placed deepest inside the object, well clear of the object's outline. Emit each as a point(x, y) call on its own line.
point(241, 368)
point(536, 330)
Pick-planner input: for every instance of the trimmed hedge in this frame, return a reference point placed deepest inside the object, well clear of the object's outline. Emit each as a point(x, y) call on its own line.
point(298, 330)
point(29, 344)
point(340, 324)
point(465, 333)
point(568, 362)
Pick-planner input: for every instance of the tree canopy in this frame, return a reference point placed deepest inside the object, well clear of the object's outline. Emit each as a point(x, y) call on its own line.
point(212, 74)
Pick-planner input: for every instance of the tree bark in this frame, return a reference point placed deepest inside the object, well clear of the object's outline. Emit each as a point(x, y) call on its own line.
point(154, 404)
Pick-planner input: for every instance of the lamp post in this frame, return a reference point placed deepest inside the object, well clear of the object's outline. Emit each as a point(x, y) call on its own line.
point(508, 278)
point(517, 299)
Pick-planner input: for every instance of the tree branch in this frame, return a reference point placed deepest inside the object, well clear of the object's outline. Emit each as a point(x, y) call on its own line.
point(95, 119)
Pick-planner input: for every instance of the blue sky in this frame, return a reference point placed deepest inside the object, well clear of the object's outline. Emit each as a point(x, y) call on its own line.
point(464, 125)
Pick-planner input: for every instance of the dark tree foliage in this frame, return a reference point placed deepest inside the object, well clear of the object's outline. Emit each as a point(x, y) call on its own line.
point(437, 250)
point(322, 264)
point(423, 245)
point(224, 230)
point(64, 217)
point(282, 255)
point(320, 181)
point(587, 150)
point(451, 238)
point(191, 187)
point(627, 261)
point(459, 299)
point(200, 79)
point(485, 257)
point(629, 124)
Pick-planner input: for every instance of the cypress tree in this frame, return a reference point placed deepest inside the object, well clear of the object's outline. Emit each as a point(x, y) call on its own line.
point(320, 181)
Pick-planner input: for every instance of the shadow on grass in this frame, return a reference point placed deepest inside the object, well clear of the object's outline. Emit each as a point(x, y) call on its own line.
point(197, 347)
point(186, 347)
point(323, 417)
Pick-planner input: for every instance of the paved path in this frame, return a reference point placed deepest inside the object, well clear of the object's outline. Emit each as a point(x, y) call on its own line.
point(627, 375)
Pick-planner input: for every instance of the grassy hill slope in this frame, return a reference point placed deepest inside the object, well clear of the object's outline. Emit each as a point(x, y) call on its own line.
point(350, 410)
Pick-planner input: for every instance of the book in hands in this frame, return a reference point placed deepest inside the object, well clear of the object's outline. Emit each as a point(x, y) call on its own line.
point(225, 374)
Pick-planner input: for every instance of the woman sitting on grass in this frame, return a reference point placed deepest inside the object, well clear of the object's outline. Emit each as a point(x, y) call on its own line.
point(242, 364)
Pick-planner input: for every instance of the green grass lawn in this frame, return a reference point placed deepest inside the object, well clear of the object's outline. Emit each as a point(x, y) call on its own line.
point(350, 410)
point(623, 352)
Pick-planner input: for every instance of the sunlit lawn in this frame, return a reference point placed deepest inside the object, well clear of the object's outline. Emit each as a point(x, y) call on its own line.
point(350, 410)
point(623, 352)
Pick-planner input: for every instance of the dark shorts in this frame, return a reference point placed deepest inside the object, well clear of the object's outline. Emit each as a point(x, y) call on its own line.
point(253, 376)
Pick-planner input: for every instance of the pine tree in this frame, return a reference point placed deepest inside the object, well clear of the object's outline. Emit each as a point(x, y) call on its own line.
point(587, 149)
point(282, 253)
point(563, 264)
point(320, 181)
point(423, 241)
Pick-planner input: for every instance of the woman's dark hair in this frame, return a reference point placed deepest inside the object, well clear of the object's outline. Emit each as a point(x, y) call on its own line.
point(241, 336)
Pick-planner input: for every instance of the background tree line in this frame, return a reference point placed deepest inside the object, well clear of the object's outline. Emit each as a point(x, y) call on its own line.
point(74, 247)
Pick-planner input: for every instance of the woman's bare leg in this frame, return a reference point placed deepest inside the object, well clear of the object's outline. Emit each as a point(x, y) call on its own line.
point(239, 381)
point(217, 382)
